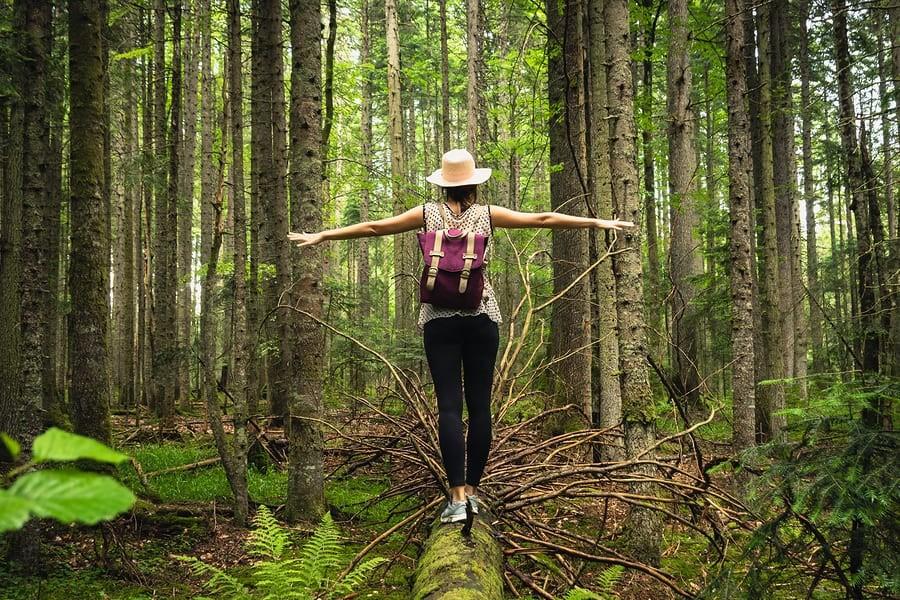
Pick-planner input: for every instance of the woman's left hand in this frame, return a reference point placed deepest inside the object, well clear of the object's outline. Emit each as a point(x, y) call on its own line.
point(305, 239)
point(615, 224)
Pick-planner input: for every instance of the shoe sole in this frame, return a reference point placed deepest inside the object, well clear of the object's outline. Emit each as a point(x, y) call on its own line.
point(453, 519)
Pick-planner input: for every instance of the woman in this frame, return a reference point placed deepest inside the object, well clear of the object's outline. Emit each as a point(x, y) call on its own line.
point(460, 341)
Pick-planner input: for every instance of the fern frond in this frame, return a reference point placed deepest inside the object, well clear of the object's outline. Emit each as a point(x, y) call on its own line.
point(356, 577)
point(268, 539)
point(220, 583)
point(606, 580)
point(322, 554)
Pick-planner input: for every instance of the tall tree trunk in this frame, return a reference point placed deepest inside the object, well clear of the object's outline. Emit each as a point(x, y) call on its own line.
point(445, 78)
point(476, 119)
point(684, 252)
point(812, 258)
point(570, 318)
point(208, 174)
point(402, 291)
point(771, 399)
point(241, 347)
point(186, 204)
point(88, 277)
point(654, 278)
point(163, 347)
point(790, 281)
point(53, 407)
point(305, 495)
point(644, 524)
point(364, 296)
point(740, 202)
point(607, 368)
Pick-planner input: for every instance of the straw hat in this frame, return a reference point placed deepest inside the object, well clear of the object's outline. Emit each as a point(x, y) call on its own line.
point(458, 168)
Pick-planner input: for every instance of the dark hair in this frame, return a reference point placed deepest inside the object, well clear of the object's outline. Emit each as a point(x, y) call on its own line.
point(465, 195)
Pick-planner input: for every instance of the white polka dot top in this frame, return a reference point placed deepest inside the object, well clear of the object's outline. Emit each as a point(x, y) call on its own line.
point(476, 218)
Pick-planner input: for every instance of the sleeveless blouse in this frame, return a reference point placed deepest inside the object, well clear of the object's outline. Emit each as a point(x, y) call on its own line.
point(477, 219)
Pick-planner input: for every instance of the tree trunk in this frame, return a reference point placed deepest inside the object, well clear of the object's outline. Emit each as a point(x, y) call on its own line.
point(812, 259)
point(739, 200)
point(455, 566)
point(163, 346)
point(644, 524)
point(88, 278)
point(402, 290)
point(208, 175)
point(684, 252)
point(790, 281)
point(570, 317)
point(654, 279)
point(186, 205)
point(772, 396)
point(476, 118)
point(445, 78)
point(305, 494)
point(607, 369)
point(364, 297)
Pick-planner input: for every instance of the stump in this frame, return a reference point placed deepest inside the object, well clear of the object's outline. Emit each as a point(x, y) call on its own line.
point(458, 567)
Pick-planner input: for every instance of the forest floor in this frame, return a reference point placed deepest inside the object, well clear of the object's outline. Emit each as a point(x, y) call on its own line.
point(135, 556)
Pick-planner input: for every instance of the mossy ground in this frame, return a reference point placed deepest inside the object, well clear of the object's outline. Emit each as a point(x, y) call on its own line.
point(133, 558)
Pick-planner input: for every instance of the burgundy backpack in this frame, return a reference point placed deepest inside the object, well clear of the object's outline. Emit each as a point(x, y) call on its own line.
point(453, 275)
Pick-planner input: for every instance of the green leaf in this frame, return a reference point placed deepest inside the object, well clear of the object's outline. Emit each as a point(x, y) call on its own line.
point(13, 511)
point(73, 496)
point(58, 445)
point(11, 445)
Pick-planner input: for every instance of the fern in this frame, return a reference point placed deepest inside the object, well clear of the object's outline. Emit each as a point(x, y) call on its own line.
point(220, 583)
point(606, 581)
point(280, 574)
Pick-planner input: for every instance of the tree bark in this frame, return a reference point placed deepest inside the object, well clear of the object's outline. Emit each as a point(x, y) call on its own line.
point(305, 494)
point(684, 252)
point(88, 278)
point(644, 524)
point(476, 118)
point(402, 290)
point(445, 78)
point(771, 398)
point(740, 199)
point(607, 368)
point(570, 317)
point(812, 258)
point(208, 175)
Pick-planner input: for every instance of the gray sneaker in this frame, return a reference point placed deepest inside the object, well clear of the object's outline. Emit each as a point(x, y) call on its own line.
point(473, 501)
point(454, 512)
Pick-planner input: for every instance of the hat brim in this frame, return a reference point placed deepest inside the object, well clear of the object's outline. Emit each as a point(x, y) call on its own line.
point(479, 176)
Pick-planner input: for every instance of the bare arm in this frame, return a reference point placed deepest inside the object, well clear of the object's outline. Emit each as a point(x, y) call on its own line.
point(503, 217)
point(407, 221)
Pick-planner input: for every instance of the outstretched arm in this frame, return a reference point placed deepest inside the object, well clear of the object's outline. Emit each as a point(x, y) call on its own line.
point(503, 217)
point(407, 221)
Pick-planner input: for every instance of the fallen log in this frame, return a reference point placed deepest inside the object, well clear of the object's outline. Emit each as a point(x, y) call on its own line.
point(455, 566)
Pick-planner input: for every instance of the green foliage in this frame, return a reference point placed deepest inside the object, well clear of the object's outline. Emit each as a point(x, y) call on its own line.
point(606, 581)
point(67, 495)
point(278, 573)
point(829, 499)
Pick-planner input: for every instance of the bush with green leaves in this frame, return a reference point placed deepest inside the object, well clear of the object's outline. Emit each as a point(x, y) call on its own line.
point(278, 573)
point(829, 499)
point(68, 495)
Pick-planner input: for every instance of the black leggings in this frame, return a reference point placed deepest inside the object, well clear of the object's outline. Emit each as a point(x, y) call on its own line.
point(453, 345)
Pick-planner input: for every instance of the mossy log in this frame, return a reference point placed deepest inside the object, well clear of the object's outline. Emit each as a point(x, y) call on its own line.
point(458, 567)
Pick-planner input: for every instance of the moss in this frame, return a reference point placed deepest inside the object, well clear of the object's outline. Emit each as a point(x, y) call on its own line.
point(453, 567)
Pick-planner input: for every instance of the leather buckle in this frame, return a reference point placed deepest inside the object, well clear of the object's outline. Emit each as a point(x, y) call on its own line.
point(433, 253)
point(432, 271)
point(471, 256)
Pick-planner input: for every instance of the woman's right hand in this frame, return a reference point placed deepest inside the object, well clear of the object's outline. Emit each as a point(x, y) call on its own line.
point(306, 239)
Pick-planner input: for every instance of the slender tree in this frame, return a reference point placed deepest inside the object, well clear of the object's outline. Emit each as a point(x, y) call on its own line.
point(637, 398)
point(684, 251)
point(306, 496)
point(570, 324)
point(740, 202)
